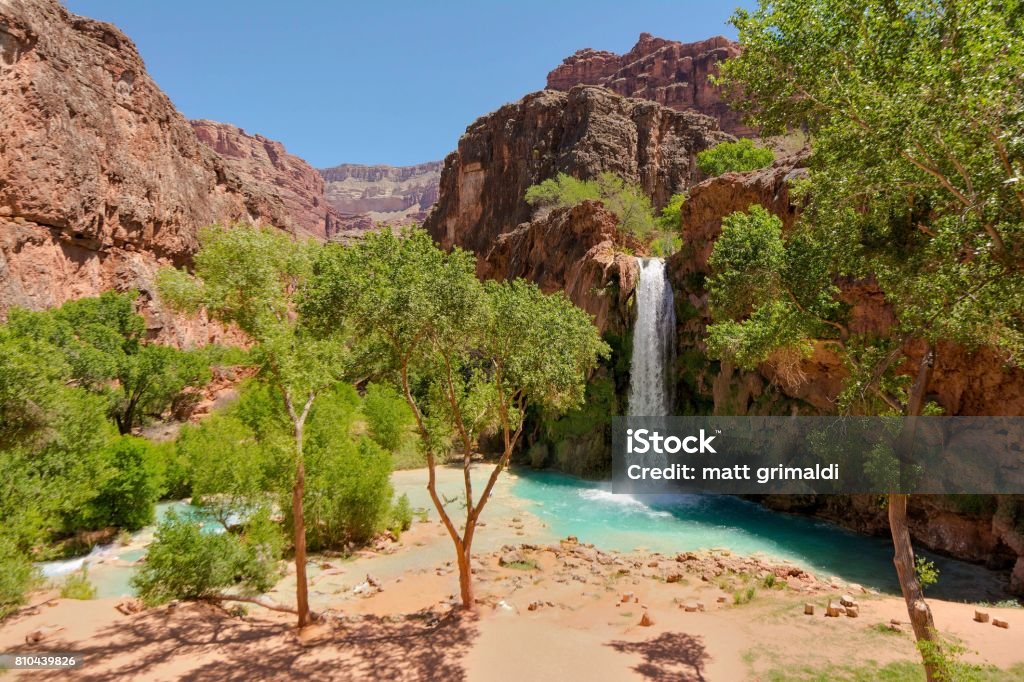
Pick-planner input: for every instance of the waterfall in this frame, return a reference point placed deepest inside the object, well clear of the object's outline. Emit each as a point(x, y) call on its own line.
point(650, 389)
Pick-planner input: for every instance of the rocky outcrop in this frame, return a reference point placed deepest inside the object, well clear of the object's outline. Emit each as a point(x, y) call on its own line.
point(671, 73)
point(365, 195)
point(101, 179)
point(577, 250)
point(264, 166)
point(583, 132)
point(963, 382)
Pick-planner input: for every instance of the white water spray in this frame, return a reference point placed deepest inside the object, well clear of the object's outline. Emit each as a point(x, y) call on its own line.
point(650, 388)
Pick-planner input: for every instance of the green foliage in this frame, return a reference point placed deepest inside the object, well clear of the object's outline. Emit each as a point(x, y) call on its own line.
point(744, 595)
point(127, 497)
point(401, 516)
point(927, 573)
point(728, 157)
point(251, 277)
point(77, 586)
point(185, 563)
point(17, 577)
point(388, 415)
point(668, 239)
point(915, 175)
point(102, 341)
point(348, 494)
point(628, 202)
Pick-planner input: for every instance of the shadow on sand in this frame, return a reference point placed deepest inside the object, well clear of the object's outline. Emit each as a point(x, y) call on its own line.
point(674, 656)
point(166, 643)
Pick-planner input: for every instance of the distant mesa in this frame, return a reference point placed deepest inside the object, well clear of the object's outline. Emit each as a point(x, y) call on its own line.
point(363, 196)
point(668, 72)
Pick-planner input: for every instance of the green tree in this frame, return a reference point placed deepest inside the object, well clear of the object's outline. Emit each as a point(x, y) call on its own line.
point(388, 416)
point(628, 202)
point(728, 157)
point(669, 225)
point(103, 341)
point(183, 562)
point(915, 112)
point(251, 277)
point(128, 496)
point(468, 357)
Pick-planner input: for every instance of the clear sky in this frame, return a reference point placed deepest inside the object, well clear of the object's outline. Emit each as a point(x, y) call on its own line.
point(377, 82)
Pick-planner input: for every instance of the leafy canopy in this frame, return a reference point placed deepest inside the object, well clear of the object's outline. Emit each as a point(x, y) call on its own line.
point(916, 113)
point(102, 342)
point(628, 202)
point(727, 157)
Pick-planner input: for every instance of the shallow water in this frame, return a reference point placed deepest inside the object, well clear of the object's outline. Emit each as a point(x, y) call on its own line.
point(677, 523)
point(589, 510)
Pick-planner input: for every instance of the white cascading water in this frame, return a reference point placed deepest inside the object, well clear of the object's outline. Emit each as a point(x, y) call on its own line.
point(650, 393)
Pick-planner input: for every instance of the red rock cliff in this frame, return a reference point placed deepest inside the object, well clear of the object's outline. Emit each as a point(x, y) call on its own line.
point(101, 179)
point(266, 167)
point(583, 132)
point(666, 71)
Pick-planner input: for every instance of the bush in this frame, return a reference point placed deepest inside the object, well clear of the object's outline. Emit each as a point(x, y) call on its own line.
point(348, 494)
point(387, 414)
point(927, 573)
point(127, 499)
point(17, 577)
point(77, 586)
point(628, 202)
point(185, 563)
point(727, 157)
point(401, 516)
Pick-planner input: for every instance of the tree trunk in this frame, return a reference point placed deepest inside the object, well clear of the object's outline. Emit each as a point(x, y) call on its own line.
point(299, 523)
point(920, 614)
point(466, 579)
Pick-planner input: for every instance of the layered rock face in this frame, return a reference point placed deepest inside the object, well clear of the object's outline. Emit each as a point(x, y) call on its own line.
point(365, 195)
point(666, 71)
point(963, 382)
point(577, 250)
point(264, 166)
point(101, 179)
point(583, 132)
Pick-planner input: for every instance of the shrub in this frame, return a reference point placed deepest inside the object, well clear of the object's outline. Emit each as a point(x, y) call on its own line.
point(927, 573)
point(401, 516)
point(77, 586)
point(628, 202)
point(348, 494)
point(387, 414)
point(185, 563)
point(17, 577)
point(128, 496)
point(727, 157)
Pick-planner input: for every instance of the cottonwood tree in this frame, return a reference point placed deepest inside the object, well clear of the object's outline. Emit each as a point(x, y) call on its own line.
point(103, 341)
point(915, 109)
point(251, 278)
point(468, 357)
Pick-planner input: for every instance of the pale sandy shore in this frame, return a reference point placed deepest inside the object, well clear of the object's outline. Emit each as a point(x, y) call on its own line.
point(564, 612)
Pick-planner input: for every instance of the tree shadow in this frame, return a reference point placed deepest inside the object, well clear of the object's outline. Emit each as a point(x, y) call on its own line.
point(671, 656)
point(153, 643)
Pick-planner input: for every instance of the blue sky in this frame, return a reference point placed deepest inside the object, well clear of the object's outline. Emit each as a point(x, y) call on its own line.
point(377, 82)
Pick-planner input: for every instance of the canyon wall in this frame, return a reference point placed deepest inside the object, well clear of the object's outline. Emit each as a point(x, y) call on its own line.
point(583, 132)
point(669, 72)
point(102, 181)
point(264, 166)
point(365, 195)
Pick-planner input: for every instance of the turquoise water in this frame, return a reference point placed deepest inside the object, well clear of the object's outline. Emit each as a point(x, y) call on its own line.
point(678, 523)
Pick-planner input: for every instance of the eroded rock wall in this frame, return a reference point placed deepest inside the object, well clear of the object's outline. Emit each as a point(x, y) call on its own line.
point(669, 72)
point(583, 133)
